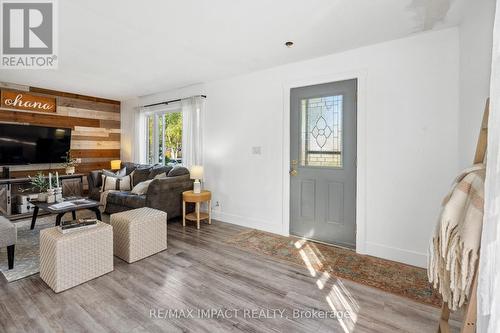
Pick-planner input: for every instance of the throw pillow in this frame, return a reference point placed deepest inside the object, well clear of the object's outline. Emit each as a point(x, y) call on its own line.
point(161, 175)
point(119, 173)
point(142, 187)
point(116, 183)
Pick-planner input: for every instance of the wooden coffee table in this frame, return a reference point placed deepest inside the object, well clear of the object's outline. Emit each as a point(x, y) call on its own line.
point(91, 205)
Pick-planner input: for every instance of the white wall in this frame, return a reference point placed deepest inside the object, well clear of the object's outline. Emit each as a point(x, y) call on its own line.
point(411, 117)
point(476, 38)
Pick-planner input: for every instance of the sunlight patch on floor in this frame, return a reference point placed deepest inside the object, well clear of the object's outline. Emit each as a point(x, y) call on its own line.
point(339, 298)
point(353, 308)
point(299, 243)
point(348, 294)
point(321, 282)
point(309, 266)
point(340, 320)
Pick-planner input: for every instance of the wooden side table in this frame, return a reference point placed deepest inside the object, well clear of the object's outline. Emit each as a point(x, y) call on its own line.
point(196, 198)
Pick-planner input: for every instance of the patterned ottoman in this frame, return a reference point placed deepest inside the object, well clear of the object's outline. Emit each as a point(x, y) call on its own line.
point(139, 233)
point(67, 260)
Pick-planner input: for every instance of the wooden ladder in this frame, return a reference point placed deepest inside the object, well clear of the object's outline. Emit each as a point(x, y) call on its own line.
point(470, 313)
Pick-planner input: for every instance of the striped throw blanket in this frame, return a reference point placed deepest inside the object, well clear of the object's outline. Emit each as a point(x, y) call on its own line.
point(454, 248)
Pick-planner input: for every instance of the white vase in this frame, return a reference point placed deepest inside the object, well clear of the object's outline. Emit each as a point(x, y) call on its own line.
point(70, 170)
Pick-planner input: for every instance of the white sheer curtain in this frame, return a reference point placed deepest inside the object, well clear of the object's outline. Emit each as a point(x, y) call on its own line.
point(139, 153)
point(192, 131)
point(489, 270)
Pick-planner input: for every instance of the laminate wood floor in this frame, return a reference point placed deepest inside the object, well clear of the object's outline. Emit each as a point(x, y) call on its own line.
point(200, 272)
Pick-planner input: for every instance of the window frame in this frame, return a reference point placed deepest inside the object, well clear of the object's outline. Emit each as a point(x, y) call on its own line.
point(157, 114)
point(303, 154)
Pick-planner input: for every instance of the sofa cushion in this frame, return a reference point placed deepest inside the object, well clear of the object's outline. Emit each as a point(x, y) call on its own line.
point(129, 167)
point(178, 171)
point(158, 169)
point(140, 174)
point(96, 178)
point(126, 199)
point(120, 173)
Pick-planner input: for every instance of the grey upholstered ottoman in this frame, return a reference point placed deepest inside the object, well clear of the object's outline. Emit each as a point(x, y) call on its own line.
point(8, 238)
point(67, 260)
point(139, 233)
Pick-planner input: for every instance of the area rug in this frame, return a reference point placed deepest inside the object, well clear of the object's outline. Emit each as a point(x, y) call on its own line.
point(396, 278)
point(27, 255)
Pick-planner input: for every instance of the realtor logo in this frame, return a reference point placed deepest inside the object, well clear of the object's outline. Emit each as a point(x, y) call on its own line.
point(28, 34)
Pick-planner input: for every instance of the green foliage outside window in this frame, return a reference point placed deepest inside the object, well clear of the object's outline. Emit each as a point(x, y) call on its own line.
point(173, 136)
point(169, 134)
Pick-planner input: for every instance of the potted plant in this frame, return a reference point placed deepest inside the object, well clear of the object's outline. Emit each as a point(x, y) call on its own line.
point(40, 184)
point(70, 163)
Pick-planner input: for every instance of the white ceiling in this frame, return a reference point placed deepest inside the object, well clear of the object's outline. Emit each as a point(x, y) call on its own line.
point(124, 48)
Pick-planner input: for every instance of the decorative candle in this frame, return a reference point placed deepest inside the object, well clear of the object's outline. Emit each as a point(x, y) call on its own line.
point(50, 180)
point(57, 179)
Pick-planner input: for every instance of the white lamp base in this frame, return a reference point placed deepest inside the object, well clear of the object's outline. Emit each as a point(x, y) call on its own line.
point(197, 186)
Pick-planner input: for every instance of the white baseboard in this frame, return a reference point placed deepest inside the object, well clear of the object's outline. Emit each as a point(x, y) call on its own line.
point(374, 249)
point(248, 222)
point(396, 254)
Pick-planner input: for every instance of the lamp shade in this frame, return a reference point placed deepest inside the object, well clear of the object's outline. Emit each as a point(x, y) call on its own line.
point(196, 172)
point(115, 164)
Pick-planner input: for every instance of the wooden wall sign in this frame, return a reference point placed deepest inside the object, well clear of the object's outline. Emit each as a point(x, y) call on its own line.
point(26, 101)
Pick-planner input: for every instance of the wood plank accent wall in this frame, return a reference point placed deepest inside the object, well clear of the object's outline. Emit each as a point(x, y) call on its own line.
point(95, 124)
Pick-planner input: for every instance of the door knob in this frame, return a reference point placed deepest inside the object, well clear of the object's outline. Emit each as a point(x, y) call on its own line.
point(293, 168)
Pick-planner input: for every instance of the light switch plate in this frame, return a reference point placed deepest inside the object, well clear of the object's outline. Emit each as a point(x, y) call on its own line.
point(257, 150)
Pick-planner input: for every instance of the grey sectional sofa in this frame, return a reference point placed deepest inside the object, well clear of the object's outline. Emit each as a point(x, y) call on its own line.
point(164, 194)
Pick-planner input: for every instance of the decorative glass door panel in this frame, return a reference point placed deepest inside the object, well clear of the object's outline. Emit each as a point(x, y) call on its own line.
point(321, 131)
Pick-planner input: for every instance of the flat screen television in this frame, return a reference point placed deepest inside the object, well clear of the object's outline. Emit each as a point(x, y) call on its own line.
point(27, 144)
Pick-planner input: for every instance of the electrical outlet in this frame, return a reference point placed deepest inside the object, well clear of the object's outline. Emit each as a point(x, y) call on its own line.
point(217, 207)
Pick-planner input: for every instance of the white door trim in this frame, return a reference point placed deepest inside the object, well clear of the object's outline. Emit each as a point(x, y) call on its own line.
point(361, 76)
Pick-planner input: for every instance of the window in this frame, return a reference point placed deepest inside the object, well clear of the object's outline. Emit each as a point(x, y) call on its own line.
point(321, 131)
point(164, 138)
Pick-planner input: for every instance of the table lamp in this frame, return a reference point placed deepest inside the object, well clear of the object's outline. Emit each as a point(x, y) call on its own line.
point(115, 164)
point(196, 174)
